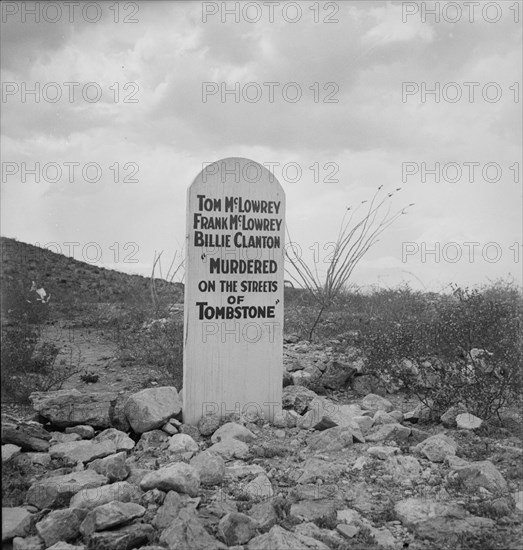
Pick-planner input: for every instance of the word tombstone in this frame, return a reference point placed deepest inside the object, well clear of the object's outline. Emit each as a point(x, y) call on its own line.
point(233, 333)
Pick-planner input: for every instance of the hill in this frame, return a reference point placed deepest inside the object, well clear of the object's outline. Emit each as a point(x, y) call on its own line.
point(75, 286)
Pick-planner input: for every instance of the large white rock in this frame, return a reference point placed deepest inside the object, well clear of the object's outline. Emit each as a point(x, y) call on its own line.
point(280, 539)
point(71, 407)
point(259, 488)
point(60, 525)
point(482, 474)
point(110, 515)
point(373, 402)
point(82, 451)
point(467, 421)
point(179, 477)
point(57, 490)
point(149, 409)
point(121, 491)
point(437, 447)
point(16, 522)
point(232, 430)
point(182, 443)
point(210, 467)
point(121, 440)
point(9, 450)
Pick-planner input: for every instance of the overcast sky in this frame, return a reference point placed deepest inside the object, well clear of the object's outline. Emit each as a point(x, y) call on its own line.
point(132, 92)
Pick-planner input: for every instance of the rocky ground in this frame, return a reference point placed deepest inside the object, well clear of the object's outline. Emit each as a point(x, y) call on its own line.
point(105, 466)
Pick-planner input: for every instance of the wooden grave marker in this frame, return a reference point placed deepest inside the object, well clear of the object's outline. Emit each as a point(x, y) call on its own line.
point(233, 312)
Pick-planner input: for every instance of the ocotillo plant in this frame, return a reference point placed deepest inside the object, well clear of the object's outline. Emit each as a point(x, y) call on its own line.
point(359, 231)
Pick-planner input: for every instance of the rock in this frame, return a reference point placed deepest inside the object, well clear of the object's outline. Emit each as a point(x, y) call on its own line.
point(373, 402)
point(65, 408)
point(348, 531)
point(16, 522)
point(42, 459)
point(113, 467)
point(455, 462)
point(421, 412)
point(403, 467)
point(315, 468)
point(482, 474)
point(366, 383)
point(59, 437)
point(364, 422)
point(29, 543)
point(264, 514)
point(179, 477)
point(121, 491)
point(169, 510)
point(333, 439)
point(381, 417)
point(232, 430)
point(314, 510)
point(149, 409)
point(297, 398)
point(337, 375)
point(241, 470)
point(280, 539)
point(236, 528)
point(210, 467)
point(329, 537)
point(437, 447)
point(361, 462)
point(448, 418)
point(437, 520)
point(190, 430)
point(397, 415)
point(388, 432)
point(30, 436)
point(84, 431)
point(466, 421)
point(182, 443)
point(154, 439)
point(66, 546)
point(110, 515)
point(208, 424)
point(383, 452)
point(123, 538)
point(56, 491)
point(60, 525)
point(518, 498)
point(259, 488)
point(284, 419)
point(9, 451)
point(81, 451)
point(169, 429)
point(230, 448)
point(121, 440)
point(188, 533)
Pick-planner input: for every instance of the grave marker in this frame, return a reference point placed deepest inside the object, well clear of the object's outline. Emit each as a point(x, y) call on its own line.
point(233, 324)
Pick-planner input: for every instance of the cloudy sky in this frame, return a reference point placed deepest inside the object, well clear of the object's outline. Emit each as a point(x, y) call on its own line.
point(115, 107)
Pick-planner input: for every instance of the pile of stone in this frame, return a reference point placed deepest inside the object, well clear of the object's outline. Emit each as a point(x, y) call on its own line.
point(126, 473)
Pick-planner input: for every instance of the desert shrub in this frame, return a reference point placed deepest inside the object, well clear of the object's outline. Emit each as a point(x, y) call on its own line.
point(427, 353)
point(153, 342)
point(28, 363)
